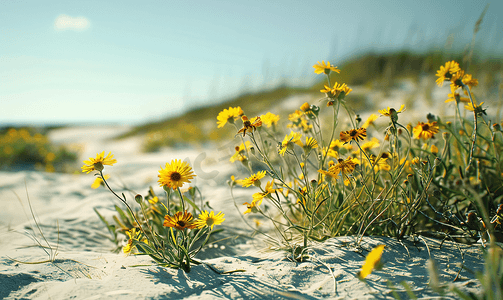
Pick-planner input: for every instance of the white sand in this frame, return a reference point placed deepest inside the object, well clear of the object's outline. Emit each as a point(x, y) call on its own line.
point(85, 267)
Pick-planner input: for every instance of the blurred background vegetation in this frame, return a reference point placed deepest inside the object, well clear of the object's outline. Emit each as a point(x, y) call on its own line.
point(28, 148)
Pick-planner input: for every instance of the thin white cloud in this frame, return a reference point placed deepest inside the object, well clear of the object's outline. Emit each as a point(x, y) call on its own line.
point(64, 22)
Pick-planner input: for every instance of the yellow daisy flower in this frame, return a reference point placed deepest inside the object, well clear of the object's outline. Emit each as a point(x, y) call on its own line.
point(459, 78)
point(175, 174)
point(353, 135)
point(98, 181)
point(132, 235)
point(179, 221)
point(289, 140)
point(336, 90)
point(209, 219)
point(392, 113)
point(370, 120)
point(456, 78)
point(372, 261)
point(228, 115)
point(296, 116)
point(310, 144)
point(345, 166)
point(325, 68)
point(425, 130)
point(239, 155)
point(252, 180)
point(305, 107)
point(387, 112)
point(379, 163)
point(269, 119)
point(258, 197)
point(446, 72)
point(251, 207)
point(366, 147)
point(469, 81)
point(477, 108)
point(434, 149)
point(98, 163)
point(455, 96)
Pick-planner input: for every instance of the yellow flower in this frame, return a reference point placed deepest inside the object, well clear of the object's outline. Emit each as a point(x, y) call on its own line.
point(374, 143)
point(133, 235)
point(239, 155)
point(425, 130)
point(269, 119)
point(474, 107)
point(258, 197)
point(299, 120)
point(434, 149)
point(345, 166)
point(353, 135)
point(454, 95)
point(335, 146)
point(97, 164)
point(97, 182)
point(209, 219)
point(336, 90)
point(180, 221)
point(310, 144)
point(456, 78)
point(389, 111)
point(370, 120)
point(252, 180)
point(469, 81)
point(372, 261)
point(248, 125)
point(251, 207)
point(175, 174)
point(153, 200)
point(379, 163)
point(305, 107)
point(446, 72)
point(325, 68)
point(289, 140)
point(392, 113)
point(228, 115)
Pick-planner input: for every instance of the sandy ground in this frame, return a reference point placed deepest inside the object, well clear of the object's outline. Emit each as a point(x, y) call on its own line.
point(236, 268)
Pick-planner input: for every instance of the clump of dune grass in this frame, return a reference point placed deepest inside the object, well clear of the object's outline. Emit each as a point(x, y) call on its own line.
point(164, 228)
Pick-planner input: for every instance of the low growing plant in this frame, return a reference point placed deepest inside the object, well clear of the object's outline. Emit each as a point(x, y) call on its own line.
point(331, 174)
point(163, 228)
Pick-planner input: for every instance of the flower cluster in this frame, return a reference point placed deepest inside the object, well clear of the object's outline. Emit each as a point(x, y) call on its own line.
point(331, 174)
point(145, 231)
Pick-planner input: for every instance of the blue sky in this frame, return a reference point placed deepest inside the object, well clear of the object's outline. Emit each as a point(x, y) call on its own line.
point(130, 62)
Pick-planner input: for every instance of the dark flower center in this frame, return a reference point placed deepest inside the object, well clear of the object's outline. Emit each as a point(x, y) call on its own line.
point(98, 166)
point(426, 127)
point(175, 176)
point(181, 223)
point(353, 133)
